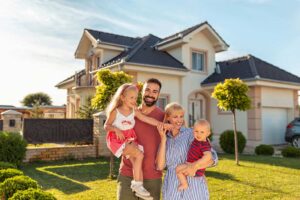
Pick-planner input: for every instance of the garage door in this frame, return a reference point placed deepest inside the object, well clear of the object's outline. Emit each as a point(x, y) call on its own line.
point(274, 121)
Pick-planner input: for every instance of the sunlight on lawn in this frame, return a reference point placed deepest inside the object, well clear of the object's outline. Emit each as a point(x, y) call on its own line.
point(256, 178)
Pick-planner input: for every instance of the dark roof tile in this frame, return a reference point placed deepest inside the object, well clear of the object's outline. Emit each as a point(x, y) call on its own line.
point(113, 38)
point(249, 67)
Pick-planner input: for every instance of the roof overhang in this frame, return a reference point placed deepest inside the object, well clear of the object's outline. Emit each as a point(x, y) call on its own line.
point(263, 82)
point(66, 84)
point(156, 69)
point(87, 41)
point(138, 67)
point(218, 43)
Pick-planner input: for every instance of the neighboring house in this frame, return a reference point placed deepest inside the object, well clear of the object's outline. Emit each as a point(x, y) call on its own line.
point(45, 111)
point(185, 64)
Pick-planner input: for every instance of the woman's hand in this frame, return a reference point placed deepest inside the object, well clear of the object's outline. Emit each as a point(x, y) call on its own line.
point(168, 127)
point(162, 131)
point(190, 170)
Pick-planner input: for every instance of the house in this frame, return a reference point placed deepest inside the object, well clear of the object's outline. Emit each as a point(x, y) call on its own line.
point(45, 111)
point(185, 64)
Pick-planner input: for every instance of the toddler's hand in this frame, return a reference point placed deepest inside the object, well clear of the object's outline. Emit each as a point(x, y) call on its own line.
point(119, 135)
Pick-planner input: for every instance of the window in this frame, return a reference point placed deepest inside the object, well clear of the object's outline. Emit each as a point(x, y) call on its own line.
point(98, 62)
point(162, 101)
point(198, 61)
point(12, 123)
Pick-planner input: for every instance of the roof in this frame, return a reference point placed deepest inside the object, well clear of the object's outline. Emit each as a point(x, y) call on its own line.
point(71, 78)
point(250, 67)
point(113, 38)
point(11, 112)
point(187, 31)
point(6, 107)
point(143, 52)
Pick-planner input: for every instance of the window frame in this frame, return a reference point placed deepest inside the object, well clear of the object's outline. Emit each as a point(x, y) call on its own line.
point(205, 61)
point(163, 96)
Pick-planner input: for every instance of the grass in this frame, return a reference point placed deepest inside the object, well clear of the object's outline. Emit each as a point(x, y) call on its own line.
point(257, 177)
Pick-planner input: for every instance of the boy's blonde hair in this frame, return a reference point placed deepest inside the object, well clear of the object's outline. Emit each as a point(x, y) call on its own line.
point(116, 99)
point(202, 122)
point(170, 108)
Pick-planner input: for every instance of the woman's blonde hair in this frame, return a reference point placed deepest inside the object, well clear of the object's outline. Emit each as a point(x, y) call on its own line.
point(116, 99)
point(170, 108)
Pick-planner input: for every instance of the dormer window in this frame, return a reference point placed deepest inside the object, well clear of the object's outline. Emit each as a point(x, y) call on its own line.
point(199, 61)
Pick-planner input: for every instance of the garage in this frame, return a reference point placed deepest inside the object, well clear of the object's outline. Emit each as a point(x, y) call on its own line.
point(274, 121)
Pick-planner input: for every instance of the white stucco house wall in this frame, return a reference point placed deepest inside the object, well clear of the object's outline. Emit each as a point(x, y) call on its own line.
point(185, 64)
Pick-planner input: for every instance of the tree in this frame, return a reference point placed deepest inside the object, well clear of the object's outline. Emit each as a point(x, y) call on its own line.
point(39, 98)
point(108, 85)
point(36, 111)
point(232, 96)
point(87, 111)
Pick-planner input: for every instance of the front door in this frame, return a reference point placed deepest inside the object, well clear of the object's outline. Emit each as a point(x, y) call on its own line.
point(196, 109)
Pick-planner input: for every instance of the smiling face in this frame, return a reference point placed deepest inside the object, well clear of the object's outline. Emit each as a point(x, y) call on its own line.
point(176, 118)
point(201, 131)
point(150, 94)
point(129, 98)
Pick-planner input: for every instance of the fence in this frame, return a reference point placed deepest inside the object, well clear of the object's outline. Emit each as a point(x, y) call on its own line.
point(37, 131)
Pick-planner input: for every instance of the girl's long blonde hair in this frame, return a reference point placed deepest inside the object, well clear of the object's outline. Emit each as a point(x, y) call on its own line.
point(116, 99)
point(170, 108)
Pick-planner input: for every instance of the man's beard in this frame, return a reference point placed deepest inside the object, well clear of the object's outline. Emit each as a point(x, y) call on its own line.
point(149, 103)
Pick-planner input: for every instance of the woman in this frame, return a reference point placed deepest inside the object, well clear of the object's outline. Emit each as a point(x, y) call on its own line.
point(173, 151)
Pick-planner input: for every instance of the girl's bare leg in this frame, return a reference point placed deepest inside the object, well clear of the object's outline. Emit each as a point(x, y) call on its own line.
point(136, 159)
point(181, 177)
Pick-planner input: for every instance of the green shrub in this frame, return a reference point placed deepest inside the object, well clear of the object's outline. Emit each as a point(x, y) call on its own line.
point(12, 147)
point(227, 141)
point(31, 193)
point(290, 152)
point(264, 149)
point(11, 185)
point(7, 165)
point(8, 173)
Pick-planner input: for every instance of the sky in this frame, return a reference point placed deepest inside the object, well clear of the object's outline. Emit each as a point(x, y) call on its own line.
point(38, 38)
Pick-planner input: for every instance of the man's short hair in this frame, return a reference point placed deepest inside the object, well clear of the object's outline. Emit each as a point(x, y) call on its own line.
point(154, 80)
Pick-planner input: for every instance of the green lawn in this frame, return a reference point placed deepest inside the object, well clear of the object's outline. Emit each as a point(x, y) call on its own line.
point(256, 178)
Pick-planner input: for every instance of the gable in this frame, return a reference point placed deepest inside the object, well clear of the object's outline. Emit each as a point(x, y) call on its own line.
point(184, 36)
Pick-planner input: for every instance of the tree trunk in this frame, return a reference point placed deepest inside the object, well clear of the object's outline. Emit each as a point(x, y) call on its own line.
point(236, 152)
point(111, 166)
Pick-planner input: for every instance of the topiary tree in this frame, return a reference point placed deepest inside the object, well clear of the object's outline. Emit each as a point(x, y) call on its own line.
point(227, 141)
point(232, 96)
point(31, 193)
point(39, 98)
point(12, 147)
point(12, 185)
point(109, 82)
point(290, 152)
point(264, 149)
point(8, 173)
point(7, 165)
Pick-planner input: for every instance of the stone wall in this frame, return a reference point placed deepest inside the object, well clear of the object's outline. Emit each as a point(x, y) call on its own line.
point(60, 153)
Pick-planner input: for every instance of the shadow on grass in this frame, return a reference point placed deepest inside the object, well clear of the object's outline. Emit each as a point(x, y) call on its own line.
point(293, 163)
point(68, 176)
point(219, 175)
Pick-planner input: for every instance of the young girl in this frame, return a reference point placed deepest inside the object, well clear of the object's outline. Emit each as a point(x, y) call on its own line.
point(121, 138)
point(173, 151)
